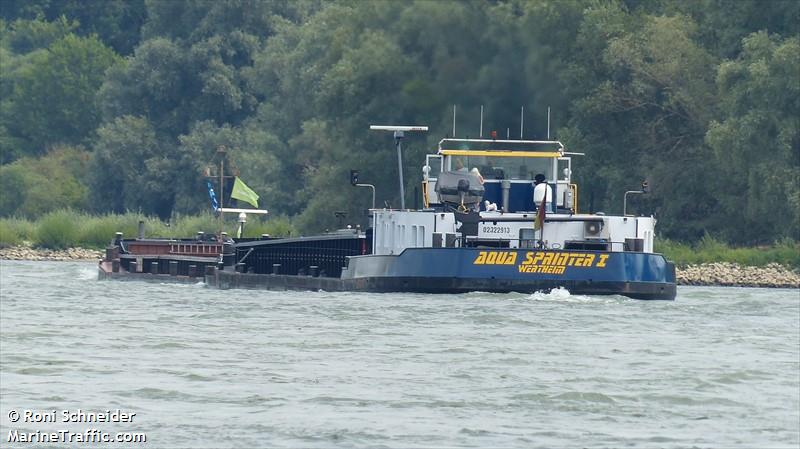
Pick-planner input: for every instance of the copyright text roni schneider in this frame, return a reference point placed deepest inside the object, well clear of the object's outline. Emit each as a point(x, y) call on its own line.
point(74, 418)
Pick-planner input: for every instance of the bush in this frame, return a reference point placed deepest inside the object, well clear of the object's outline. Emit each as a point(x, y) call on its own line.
point(58, 230)
point(15, 231)
point(189, 226)
point(279, 226)
point(153, 227)
point(98, 231)
point(709, 250)
point(8, 235)
point(788, 252)
point(13, 188)
point(32, 187)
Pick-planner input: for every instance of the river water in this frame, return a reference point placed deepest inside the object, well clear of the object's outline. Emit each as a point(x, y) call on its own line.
point(718, 367)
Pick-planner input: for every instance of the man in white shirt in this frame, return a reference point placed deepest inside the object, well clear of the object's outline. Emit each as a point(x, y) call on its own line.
point(542, 191)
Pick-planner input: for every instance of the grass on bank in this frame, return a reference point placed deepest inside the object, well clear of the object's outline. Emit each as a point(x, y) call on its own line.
point(66, 228)
point(710, 250)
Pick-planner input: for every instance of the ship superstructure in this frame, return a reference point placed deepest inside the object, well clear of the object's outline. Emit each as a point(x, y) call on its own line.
point(504, 172)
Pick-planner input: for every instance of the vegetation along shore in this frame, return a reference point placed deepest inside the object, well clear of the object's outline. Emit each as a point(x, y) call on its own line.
point(115, 106)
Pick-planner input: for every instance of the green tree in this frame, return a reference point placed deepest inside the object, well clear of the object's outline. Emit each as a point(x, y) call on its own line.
point(724, 23)
point(676, 92)
point(154, 84)
point(116, 22)
point(194, 64)
point(645, 117)
point(132, 169)
point(53, 96)
point(756, 141)
point(33, 186)
point(190, 80)
point(23, 36)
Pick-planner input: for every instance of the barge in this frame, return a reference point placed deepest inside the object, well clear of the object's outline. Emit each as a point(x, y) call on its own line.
point(498, 216)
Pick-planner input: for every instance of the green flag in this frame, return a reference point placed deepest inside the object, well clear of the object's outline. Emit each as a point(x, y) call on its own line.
point(244, 193)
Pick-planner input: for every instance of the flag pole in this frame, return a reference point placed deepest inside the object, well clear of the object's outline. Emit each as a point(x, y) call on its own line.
point(220, 177)
point(542, 213)
point(541, 224)
point(221, 220)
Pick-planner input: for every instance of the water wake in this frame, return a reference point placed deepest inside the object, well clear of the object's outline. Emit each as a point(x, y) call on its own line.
point(87, 273)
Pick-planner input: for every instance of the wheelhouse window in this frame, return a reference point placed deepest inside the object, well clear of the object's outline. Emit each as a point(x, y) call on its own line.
point(514, 168)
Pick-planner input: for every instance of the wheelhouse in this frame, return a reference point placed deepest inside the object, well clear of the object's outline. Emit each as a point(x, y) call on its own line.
point(505, 166)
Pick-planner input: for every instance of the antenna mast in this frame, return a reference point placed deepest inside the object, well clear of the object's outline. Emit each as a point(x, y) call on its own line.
point(481, 134)
point(398, 137)
point(221, 153)
point(454, 121)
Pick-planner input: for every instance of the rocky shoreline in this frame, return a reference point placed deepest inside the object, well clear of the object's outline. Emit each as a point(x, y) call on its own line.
point(722, 274)
point(732, 275)
point(30, 253)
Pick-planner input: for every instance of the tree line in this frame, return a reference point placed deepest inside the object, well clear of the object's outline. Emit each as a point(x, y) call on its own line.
point(119, 105)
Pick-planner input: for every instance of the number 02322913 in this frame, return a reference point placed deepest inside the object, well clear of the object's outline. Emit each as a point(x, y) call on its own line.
point(495, 229)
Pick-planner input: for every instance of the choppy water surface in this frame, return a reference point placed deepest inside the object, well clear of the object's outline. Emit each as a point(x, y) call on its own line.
point(719, 367)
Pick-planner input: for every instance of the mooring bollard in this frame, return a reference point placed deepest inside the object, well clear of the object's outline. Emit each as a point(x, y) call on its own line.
point(173, 267)
point(313, 271)
point(154, 267)
point(192, 270)
point(240, 267)
point(115, 266)
point(133, 267)
point(210, 269)
point(276, 268)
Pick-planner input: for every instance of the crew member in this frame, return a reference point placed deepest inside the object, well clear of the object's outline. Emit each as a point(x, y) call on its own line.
point(477, 173)
point(542, 191)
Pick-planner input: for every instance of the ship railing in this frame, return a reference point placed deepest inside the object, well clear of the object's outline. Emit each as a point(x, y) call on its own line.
point(196, 249)
point(613, 246)
point(296, 258)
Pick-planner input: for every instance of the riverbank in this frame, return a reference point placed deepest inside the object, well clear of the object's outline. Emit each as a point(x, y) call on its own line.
point(30, 253)
point(723, 274)
point(733, 275)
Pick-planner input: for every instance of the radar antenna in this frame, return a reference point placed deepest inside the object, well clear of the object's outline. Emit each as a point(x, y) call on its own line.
point(398, 137)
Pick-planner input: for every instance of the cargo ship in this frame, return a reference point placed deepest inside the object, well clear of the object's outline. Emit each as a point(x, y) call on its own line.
point(498, 215)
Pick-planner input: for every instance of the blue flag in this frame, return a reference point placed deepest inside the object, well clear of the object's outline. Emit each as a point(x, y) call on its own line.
point(213, 196)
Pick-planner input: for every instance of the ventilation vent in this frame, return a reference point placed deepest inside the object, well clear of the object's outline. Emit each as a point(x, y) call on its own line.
point(595, 229)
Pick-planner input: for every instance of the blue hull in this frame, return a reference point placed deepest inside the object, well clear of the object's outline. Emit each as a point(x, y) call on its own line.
point(457, 270)
point(634, 274)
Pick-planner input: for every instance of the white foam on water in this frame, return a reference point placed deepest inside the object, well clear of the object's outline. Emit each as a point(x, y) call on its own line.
point(559, 294)
point(183, 284)
point(87, 273)
point(556, 294)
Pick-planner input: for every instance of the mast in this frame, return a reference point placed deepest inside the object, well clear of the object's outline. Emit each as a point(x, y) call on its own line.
point(221, 154)
point(399, 133)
